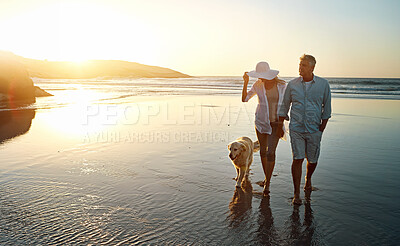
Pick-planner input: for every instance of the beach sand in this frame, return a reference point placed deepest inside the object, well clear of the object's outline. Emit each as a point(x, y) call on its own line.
point(155, 170)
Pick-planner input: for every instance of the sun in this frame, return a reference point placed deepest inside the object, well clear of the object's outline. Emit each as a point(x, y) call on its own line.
point(70, 30)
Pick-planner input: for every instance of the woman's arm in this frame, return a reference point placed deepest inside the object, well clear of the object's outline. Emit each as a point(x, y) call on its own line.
point(244, 90)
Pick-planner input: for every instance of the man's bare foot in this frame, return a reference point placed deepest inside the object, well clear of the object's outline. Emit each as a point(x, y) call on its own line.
point(307, 188)
point(307, 195)
point(296, 200)
point(307, 185)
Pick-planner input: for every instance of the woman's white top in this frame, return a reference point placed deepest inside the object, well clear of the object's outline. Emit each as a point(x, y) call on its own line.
point(262, 112)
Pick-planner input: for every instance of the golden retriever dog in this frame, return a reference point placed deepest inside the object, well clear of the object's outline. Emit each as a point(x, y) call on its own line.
point(241, 154)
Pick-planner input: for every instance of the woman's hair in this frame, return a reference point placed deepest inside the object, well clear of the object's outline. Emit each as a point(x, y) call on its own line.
point(277, 80)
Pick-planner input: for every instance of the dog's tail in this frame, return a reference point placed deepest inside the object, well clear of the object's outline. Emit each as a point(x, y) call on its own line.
point(256, 145)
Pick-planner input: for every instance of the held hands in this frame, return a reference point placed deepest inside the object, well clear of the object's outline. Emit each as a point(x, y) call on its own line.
point(245, 78)
point(279, 130)
point(323, 125)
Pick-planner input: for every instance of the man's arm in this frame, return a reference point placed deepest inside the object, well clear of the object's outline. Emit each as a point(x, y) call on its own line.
point(327, 108)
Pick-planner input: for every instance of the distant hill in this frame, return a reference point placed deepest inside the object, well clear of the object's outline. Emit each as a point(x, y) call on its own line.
point(16, 86)
point(95, 69)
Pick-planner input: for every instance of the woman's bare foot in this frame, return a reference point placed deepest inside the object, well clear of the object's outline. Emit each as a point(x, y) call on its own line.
point(266, 191)
point(260, 183)
point(266, 188)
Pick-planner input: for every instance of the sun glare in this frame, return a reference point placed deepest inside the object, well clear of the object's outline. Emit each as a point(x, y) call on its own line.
point(70, 120)
point(79, 31)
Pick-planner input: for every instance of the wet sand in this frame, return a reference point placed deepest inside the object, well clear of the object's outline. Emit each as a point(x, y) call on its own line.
point(155, 170)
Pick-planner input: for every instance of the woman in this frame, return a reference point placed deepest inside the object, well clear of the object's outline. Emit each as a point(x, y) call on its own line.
point(270, 91)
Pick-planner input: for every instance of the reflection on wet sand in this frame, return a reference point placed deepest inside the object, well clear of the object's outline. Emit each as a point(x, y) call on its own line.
point(14, 123)
point(302, 234)
point(240, 203)
point(266, 233)
point(295, 232)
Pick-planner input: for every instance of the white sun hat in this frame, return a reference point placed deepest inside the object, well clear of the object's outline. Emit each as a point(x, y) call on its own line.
point(263, 71)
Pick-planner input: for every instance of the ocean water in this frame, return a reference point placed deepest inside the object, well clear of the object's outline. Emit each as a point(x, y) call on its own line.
point(341, 87)
point(145, 162)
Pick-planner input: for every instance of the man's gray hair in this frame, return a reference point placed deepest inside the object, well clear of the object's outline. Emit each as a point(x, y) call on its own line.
point(309, 58)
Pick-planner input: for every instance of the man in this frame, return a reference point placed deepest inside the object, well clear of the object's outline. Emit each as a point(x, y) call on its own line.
point(310, 98)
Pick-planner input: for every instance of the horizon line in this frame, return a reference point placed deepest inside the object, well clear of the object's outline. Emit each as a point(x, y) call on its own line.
point(290, 76)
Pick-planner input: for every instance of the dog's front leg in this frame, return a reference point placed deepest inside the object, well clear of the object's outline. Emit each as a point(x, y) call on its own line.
point(241, 175)
point(237, 173)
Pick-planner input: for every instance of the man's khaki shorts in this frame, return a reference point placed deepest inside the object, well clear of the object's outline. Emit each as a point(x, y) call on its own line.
point(306, 145)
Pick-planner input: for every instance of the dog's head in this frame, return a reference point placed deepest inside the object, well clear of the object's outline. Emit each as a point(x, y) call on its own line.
point(235, 149)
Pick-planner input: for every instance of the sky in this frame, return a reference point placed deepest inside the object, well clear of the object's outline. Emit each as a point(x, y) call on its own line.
point(349, 38)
